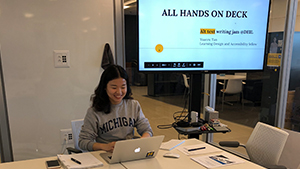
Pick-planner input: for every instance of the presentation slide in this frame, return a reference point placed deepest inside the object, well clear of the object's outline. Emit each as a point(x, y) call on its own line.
point(210, 35)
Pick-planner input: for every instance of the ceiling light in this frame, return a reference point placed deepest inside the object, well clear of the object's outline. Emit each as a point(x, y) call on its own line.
point(129, 2)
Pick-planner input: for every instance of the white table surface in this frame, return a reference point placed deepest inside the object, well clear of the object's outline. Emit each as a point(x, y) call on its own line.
point(183, 162)
point(159, 162)
point(226, 77)
point(40, 163)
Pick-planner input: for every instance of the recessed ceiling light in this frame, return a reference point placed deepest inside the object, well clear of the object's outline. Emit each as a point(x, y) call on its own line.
point(129, 2)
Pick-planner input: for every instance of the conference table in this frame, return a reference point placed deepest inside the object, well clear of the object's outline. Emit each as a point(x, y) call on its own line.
point(159, 162)
point(40, 163)
point(227, 77)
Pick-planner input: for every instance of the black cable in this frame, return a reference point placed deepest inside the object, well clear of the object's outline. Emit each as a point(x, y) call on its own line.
point(123, 165)
point(177, 118)
point(165, 126)
point(184, 108)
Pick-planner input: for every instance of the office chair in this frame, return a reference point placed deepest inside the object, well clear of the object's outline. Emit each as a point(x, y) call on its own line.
point(76, 127)
point(290, 154)
point(264, 146)
point(234, 86)
point(295, 119)
point(186, 84)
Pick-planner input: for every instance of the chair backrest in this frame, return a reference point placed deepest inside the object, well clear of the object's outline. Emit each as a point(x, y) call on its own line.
point(185, 80)
point(265, 144)
point(290, 154)
point(76, 128)
point(234, 86)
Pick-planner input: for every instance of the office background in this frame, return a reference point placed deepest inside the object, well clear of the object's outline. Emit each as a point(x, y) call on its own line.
point(41, 99)
point(260, 91)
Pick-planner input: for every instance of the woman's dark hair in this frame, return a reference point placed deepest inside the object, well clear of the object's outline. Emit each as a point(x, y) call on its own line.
point(100, 99)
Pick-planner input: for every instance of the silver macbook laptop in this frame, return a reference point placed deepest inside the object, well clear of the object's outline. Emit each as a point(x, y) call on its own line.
point(135, 149)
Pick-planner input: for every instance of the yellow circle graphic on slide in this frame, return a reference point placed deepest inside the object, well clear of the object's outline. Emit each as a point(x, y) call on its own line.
point(159, 48)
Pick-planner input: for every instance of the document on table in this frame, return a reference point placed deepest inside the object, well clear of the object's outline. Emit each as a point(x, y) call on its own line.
point(217, 160)
point(81, 160)
point(198, 149)
point(169, 145)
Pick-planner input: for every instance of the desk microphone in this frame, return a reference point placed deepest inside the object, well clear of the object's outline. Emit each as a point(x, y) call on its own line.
point(229, 143)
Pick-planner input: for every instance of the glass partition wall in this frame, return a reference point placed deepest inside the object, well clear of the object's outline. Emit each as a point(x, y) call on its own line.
point(292, 116)
point(163, 95)
point(260, 90)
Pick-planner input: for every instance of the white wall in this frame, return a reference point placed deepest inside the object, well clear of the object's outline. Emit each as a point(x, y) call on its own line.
point(42, 99)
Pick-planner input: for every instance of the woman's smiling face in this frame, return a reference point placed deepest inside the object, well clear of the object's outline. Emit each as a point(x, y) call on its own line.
point(116, 90)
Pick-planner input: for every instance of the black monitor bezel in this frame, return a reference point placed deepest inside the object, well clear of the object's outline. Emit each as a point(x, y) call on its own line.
point(204, 71)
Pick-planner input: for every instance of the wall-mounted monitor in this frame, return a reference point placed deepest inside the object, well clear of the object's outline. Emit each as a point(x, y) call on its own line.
point(202, 35)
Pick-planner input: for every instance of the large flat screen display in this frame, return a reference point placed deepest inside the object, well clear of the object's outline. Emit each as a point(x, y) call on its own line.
point(202, 35)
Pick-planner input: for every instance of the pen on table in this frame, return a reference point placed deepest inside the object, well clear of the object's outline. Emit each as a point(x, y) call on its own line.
point(194, 149)
point(76, 161)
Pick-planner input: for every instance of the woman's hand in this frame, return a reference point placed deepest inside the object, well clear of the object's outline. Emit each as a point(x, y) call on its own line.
point(145, 135)
point(109, 147)
point(106, 147)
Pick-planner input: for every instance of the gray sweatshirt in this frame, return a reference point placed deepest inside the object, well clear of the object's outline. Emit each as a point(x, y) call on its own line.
point(117, 125)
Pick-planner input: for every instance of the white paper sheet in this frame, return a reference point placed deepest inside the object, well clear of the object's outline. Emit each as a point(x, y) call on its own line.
point(205, 149)
point(217, 160)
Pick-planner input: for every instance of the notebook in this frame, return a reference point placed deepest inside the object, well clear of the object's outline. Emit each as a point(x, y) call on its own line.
point(135, 149)
point(81, 160)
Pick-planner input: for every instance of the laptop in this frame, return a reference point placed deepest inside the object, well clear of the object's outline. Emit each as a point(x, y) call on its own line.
point(134, 149)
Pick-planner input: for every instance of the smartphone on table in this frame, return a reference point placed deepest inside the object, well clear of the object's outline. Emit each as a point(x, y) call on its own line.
point(52, 164)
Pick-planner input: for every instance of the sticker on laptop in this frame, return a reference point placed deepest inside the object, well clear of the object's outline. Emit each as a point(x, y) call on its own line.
point(150, 154)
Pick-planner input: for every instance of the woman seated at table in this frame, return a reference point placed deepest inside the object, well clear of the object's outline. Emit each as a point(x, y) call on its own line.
point(113, 114)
